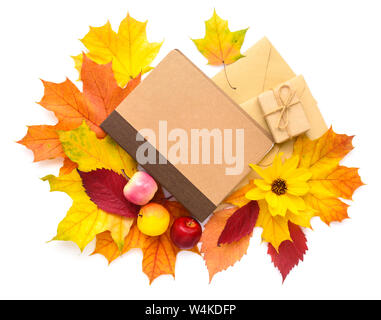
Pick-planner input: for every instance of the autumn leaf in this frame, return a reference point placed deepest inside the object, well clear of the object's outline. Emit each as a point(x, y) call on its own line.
point(128, 50)
point(322, 155)
point(100, 97)
point(159, 253)
point(105, 189)
point(159, 256)
point(220, 45)
point(83, 147)
point(238, 198)
point(329, 181)
point(290, 252)
point(218, 258)
point(43, 141)
point(85, 220)
point(106, 246)
point(68, 166)
point(341, 182)
point(241, 223)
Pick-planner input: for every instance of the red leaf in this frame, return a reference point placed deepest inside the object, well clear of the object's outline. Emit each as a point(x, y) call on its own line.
point(290, 252)
point(105, 189)
point(240, 224)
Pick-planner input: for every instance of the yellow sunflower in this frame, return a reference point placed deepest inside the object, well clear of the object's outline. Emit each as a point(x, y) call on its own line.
point(282, 187)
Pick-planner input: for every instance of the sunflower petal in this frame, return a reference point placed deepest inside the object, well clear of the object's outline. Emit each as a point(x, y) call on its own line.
point(272, 199)
point(277, 165)
point(295, 204)
point(262, 184)
point(255, 194)
point(289, 167)
point(266, 174)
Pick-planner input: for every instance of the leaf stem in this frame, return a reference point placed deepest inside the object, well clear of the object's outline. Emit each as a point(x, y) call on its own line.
point(226, 76)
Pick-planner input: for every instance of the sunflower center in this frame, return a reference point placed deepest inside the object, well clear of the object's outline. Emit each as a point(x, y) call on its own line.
point(279, 187)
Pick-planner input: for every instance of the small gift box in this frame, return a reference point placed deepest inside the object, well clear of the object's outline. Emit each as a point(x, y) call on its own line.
point(283, 112)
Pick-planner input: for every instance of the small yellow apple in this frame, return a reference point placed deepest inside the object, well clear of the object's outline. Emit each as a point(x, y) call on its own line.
point(153, 219)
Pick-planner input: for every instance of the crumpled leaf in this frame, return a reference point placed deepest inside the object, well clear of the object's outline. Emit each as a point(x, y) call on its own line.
point(218, 258)
point(159, 253)
point(128, 50)
point(105, 189)
point(220, 45)
point(241, 223)
point(329, 180)
point(90, 153)
point(100, 97)
point(290, 252)
point(84, 219)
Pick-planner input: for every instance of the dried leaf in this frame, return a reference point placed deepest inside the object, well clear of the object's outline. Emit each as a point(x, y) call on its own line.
point(238, 198)
point(68, 166)
point(100, 97)
point(105, 189)
point(128, 50)
point(240, 224)
point(43, 141)
point(220, 45)
point(218, 258)
point(322, 155)
point(84, 219)
point(290, 252)
point(159, 253)
point(83, 147)
point(329, 180)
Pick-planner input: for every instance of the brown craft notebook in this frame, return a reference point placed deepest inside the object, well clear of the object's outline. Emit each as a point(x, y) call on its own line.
point(176, 99)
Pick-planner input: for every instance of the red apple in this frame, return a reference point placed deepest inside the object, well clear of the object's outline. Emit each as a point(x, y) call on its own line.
point(140, 189)
point(186, 232)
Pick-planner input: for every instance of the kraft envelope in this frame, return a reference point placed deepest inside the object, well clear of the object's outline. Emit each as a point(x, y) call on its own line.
point(260, 70)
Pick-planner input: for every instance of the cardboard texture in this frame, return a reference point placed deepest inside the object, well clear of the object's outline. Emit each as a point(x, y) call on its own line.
point(177, 92)
point(283, 112)
point(260, 70)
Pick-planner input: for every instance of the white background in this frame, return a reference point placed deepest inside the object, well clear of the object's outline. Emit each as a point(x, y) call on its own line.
point(334, 44)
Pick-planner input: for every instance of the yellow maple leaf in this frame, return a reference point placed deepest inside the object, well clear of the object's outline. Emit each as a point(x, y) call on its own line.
point(128, 50)
point(220, 45)
point(84, 219)
point(83, 147)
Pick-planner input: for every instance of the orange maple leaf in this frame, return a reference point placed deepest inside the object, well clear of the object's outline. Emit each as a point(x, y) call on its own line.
point(218, 258)
point(67, 167)
point(159, 253)
point(238, 198)
point(101, 95)
point(329, 180)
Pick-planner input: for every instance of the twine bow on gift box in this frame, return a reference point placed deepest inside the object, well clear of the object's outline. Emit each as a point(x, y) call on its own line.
point(283, 106)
